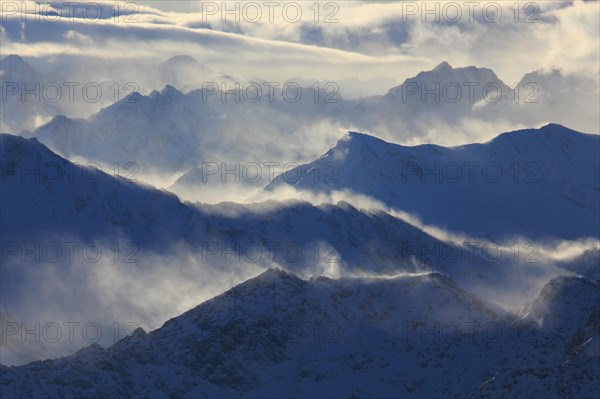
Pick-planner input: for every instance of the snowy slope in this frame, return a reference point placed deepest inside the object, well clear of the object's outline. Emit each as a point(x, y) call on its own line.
point(161, 244)
point(579, 378)
point(86, 204)
point(535, 183)
point(89, 204)
point(567, 313)
point(277, 335)
point(150, 242)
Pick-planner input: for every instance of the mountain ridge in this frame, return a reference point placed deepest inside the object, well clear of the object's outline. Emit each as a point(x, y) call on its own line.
point(216, 353)
point(554, 166)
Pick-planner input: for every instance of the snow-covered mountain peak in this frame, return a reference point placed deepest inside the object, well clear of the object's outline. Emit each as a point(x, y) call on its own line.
point(566, 288)
point(182, 59)
point(563, 144)
point(132, 98)
point(563, 301)
point(16, 148)
point(445, 74)
point(551, 130)
point(555, 167)
point(357, 138)
point(562, 133)
point(276, 275)
point(442, 67)
point(444, 88)
point(170, 91)
point(273, 280)
point(554, 127)
point(15, 69)
point(179, 62)
point(248, 340)
point(12, 60)
point(136, 107)
point(183, 72)
point(138, 332)
point(353, 146)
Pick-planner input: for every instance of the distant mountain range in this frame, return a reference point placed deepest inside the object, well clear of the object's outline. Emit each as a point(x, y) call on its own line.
point(178, 127)
point(31, 98)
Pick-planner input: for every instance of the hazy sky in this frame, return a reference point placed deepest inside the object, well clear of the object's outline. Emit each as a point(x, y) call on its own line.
point(329, 40)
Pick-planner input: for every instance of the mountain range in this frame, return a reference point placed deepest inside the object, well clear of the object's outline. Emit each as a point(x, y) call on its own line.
point(198, 123)
point(537, 183)
point(360, 265)
point(113, 240)
point(277, 335)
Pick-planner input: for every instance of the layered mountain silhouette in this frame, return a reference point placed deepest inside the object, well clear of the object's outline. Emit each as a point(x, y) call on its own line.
point(277, 335)
point(536, 183)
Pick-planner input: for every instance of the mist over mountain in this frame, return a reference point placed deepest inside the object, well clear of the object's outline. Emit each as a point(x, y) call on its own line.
point(64, 223)
point(508, 186)
point(217, 121)
point(300, 200)
point(20, 110)
point(303, 336)
point(31, 98)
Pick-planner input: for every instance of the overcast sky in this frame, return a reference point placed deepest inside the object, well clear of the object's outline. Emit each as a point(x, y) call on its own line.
point(330, 40)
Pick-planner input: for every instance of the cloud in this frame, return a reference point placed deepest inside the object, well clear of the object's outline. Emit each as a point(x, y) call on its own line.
point(368, 39)
point(522, 265)
point(78, 38)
